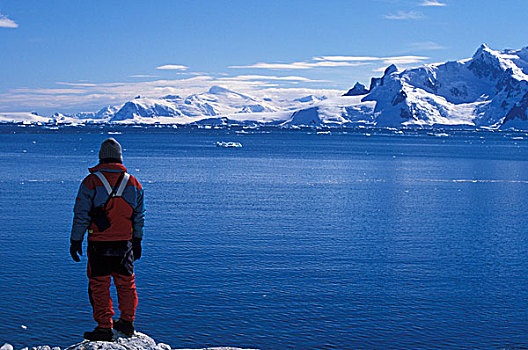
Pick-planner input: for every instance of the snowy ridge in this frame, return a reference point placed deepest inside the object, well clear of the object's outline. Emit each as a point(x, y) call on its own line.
point(488, 90)
point(138, 342)
point(22, 117)
point(337, 111)
point(217, 101)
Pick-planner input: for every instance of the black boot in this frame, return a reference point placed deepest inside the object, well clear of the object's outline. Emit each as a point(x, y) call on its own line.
point(125, 327)
point(100, 334)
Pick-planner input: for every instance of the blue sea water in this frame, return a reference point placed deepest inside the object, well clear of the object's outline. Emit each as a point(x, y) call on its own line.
point(294, 241)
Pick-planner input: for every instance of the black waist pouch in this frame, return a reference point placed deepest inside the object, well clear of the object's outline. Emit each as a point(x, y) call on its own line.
point(110, 248)
point(100, 218)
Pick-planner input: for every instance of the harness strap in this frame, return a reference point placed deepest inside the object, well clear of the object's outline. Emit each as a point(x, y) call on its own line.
point(107, 186)
point(105, 182)
point(122, 186)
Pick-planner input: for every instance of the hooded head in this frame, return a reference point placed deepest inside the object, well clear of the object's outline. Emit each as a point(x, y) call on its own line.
point(110, 151)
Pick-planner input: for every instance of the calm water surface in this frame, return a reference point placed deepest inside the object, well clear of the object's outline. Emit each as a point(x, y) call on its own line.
point(295, 241)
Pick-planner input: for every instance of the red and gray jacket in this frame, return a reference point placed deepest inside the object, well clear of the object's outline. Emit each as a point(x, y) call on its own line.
point(126, 212)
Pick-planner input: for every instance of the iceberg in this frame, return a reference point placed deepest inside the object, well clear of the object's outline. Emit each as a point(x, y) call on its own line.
point(228, 144)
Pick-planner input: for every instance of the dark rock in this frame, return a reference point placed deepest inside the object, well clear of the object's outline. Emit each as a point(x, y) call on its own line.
point(357, 90)
point(374, 82)
point(519, 110)
point(171, 97)
point(400, 97)
point(390, 69)
point(432, 84)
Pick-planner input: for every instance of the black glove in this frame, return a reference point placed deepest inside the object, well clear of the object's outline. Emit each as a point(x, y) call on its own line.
point(136, 248)
point(75, 247)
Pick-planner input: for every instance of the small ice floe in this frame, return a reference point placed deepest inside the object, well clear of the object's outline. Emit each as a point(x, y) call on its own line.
point(114, 133)
point(438, 134)
point(518, 138)
point(327, 132)
point(367, 134)
point(241, 132)
point(229, 144)
point(23, 326)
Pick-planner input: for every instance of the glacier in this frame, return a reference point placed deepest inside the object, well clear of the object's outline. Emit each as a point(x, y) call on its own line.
point(487, 91)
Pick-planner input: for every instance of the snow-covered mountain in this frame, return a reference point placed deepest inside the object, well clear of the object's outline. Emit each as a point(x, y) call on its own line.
point(215, 106)
point(22, 117)
point(337, 111)
point(218, 101)
point(488, 90)
point(104, 113)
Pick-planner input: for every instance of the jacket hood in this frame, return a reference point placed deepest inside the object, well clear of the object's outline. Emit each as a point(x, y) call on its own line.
point(112, 167)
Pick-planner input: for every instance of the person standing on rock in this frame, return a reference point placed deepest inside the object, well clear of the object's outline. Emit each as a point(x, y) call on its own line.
point(110, 206)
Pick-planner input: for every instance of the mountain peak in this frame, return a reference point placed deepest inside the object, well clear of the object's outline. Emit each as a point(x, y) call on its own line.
point(215, 89)
point(482, 51)
point(358, 89)
point(309, 98)
point(390, 69)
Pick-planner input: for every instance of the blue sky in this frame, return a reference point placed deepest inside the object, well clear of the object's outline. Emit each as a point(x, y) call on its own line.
point(72, 55)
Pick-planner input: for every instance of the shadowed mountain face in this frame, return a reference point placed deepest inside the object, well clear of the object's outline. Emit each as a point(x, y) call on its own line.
point(489, 90)
point(484, 91)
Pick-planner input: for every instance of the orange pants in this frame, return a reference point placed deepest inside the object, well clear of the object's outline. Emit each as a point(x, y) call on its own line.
point(101, 269)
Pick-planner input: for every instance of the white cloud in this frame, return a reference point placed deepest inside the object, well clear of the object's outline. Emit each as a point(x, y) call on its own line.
point(273, 77)
point(346, 58)
point(335, 64)
point(295, 92)
point(404, 59)
point(298, 65)
point(401, 62)
point(76, 84)
point(89, 95)
point(262, 65)
point(433, 3)
point(49, 91)
point(92, 96)
point(403, 15)
point(172, 67)
point(142, 76)
point(7, 23)
point(425, 46)
point(371, 59)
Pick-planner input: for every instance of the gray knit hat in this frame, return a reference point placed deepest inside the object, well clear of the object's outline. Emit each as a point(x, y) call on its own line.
point(111, 149)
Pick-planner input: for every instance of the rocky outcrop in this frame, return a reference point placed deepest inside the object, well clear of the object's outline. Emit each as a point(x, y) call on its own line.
point(138, 342)
point(358, 90)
